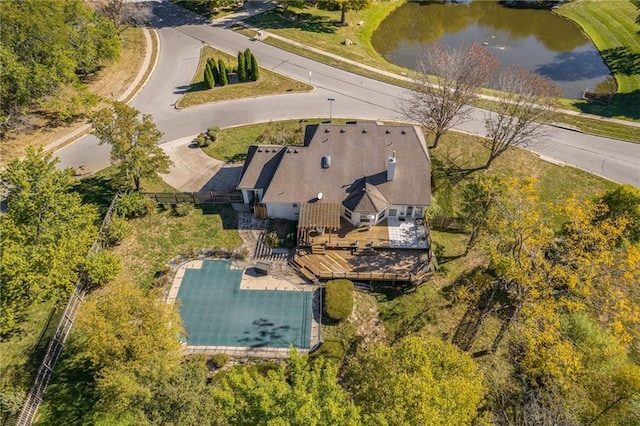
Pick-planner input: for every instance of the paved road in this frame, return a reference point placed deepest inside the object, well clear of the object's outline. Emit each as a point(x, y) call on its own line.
point(182, 34)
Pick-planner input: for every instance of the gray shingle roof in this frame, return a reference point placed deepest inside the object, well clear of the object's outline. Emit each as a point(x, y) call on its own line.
point(359, 155)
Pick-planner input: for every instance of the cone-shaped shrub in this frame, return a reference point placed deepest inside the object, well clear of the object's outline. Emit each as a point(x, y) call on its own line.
point(255, 69)
point(242, 70)
point(222, 70)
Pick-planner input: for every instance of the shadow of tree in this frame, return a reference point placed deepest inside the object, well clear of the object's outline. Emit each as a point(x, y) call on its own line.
point(278, 19)
point(227, 214)
point(97, 190)
point(622, 105)
point(621, 60)
point(70, 395)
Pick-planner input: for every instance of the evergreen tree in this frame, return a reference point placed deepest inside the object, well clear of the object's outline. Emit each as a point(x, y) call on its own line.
point(255, 70)
point(214, 71)
point(208, 77)
point(242, 71)
point(222, 71)
point(247, 62)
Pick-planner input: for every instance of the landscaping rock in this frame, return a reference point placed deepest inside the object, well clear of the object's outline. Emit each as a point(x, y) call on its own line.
point(347, 42)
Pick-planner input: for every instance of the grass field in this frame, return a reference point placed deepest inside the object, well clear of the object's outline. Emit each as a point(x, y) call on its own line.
point(269, 83)
point(611, 27)
point(321, 29)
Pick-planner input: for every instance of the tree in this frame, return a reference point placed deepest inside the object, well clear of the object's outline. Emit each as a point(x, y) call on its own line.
point(222, 71)
point(101, 267)
point(44, 235)
point(449, 80)
point(255, 69)
point(129, 336)
point(478, 198)
point(415, 381)
point(303, 394)
point(134, 143)
point(242, 70)
point(247, 61)
point(208, 77)
point(213, 66)
point(623, 201)
point(47, 45)
point(347, 5)
point(525, 102)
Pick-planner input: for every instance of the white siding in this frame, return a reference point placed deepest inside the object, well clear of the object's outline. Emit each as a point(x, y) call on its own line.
point(283, 211)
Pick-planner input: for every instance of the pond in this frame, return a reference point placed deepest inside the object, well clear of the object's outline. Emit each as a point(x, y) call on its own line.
point(537, 40)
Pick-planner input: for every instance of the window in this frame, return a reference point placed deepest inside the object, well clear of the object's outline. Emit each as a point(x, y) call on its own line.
point(382, 215)
point(295, 205)
point(347, 214)
point(393, 212)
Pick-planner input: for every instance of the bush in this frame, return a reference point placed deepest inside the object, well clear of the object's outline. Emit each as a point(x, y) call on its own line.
point(117, 230)
point(331, 350)
point(133, 204)
point(220, 360)
point(183, 209)
point(339, 299)
point(271, 239)
point(101, 267)
point(222, 70)
point(212, 132)
point(255, 69)
point(203, 141)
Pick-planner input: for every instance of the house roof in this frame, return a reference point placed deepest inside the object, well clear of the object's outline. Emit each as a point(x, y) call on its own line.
point(340, 161)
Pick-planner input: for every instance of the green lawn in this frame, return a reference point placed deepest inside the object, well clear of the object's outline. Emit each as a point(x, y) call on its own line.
point(269, 83)
point(610, 24)
point(160, 236)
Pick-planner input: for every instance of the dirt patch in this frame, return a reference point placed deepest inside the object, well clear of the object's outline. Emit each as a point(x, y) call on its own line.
point(366, 320)
point(111, 82)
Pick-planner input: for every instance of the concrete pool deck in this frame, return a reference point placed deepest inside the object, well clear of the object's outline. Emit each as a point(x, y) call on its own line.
point(251, 280)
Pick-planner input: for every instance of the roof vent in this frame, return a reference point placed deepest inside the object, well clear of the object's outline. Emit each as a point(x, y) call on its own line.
point(295, 151)
point(288, 151)
point(388, 131)
point(326, 130)
point(259, 149)
point(326, 162)
point(404, 132)
point(342, 130)
point(364, 130)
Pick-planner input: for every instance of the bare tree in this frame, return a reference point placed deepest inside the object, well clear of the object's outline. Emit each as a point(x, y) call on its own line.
point(526, 101)
point(449, 80)
point(121, 12)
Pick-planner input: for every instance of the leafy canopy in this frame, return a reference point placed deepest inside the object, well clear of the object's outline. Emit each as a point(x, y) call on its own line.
point(44, 234)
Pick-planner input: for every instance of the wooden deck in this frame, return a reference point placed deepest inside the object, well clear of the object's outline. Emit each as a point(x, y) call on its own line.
point(363, 265)
point(348, 234)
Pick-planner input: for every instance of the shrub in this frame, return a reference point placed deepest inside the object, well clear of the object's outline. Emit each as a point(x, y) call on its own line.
point(220, 360)
point(117, 230)
point(200, 141)
point(209, 81)
point(101, 267)
point(271, 239)
point(222, 71)
point(183, 209)
point(339, 299)
point(133, 204)
point(242, 70)
point(212, 132)
point(247, 62)
point(255, 69)
point(214, 71)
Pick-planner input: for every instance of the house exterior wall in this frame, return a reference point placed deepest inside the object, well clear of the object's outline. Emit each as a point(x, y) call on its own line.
point(289, 211)
point(247, 195)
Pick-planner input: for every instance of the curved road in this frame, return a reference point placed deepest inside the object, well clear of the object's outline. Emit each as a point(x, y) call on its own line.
point(182, 35)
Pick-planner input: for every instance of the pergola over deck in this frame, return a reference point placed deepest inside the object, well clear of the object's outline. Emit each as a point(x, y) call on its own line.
point(318, 215)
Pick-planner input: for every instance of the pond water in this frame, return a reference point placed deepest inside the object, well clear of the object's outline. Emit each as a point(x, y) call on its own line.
point(537, 40)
